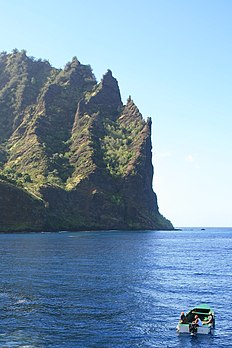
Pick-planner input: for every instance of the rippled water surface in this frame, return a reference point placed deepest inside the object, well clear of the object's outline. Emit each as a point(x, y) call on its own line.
point(113, 289)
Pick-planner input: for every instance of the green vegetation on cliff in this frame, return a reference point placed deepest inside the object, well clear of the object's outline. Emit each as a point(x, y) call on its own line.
point(71, 150)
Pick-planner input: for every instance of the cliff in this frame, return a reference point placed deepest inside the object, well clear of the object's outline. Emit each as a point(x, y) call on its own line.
point(72, 156)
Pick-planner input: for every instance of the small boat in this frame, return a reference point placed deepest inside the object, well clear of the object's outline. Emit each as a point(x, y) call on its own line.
point(207, 317)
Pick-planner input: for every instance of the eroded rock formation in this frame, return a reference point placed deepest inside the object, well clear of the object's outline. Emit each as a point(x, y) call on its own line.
point(72, 156)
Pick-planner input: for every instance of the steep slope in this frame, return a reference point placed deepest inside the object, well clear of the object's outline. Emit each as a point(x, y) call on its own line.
point(21, 79)
point(82, 156)
point(19, 210)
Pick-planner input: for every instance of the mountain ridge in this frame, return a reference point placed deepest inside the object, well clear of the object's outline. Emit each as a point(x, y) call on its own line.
point(70, 146)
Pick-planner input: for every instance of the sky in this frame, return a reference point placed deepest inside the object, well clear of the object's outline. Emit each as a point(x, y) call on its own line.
point(174, 57)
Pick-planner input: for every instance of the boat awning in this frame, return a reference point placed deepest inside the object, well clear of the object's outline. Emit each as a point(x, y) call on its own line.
point(197, 312)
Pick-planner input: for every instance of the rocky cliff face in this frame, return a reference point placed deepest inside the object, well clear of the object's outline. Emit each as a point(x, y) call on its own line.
point(72, 156)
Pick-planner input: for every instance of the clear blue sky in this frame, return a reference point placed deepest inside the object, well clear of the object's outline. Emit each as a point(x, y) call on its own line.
point(174, 57)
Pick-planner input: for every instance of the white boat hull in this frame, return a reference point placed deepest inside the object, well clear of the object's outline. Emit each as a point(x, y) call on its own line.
point(203, 330)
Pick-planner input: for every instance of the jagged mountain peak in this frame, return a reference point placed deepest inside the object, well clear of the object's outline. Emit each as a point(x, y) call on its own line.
point(131, 113)
point(75, 61)
point(104, 99)
point(109, 80)
point(130, 105)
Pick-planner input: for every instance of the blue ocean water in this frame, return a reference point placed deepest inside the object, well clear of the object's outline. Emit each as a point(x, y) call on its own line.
point(113, 289)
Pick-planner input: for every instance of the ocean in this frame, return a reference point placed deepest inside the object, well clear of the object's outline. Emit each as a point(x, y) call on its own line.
point(113, 288)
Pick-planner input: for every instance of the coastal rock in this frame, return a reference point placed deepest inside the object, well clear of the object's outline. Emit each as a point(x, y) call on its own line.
point(72, 156)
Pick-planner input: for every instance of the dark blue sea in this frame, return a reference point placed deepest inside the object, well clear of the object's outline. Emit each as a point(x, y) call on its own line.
point(113, 289)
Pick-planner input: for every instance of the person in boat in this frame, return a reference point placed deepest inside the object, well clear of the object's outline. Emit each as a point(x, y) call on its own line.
point(195, 324)
point(183, 319)
point(210, 319)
